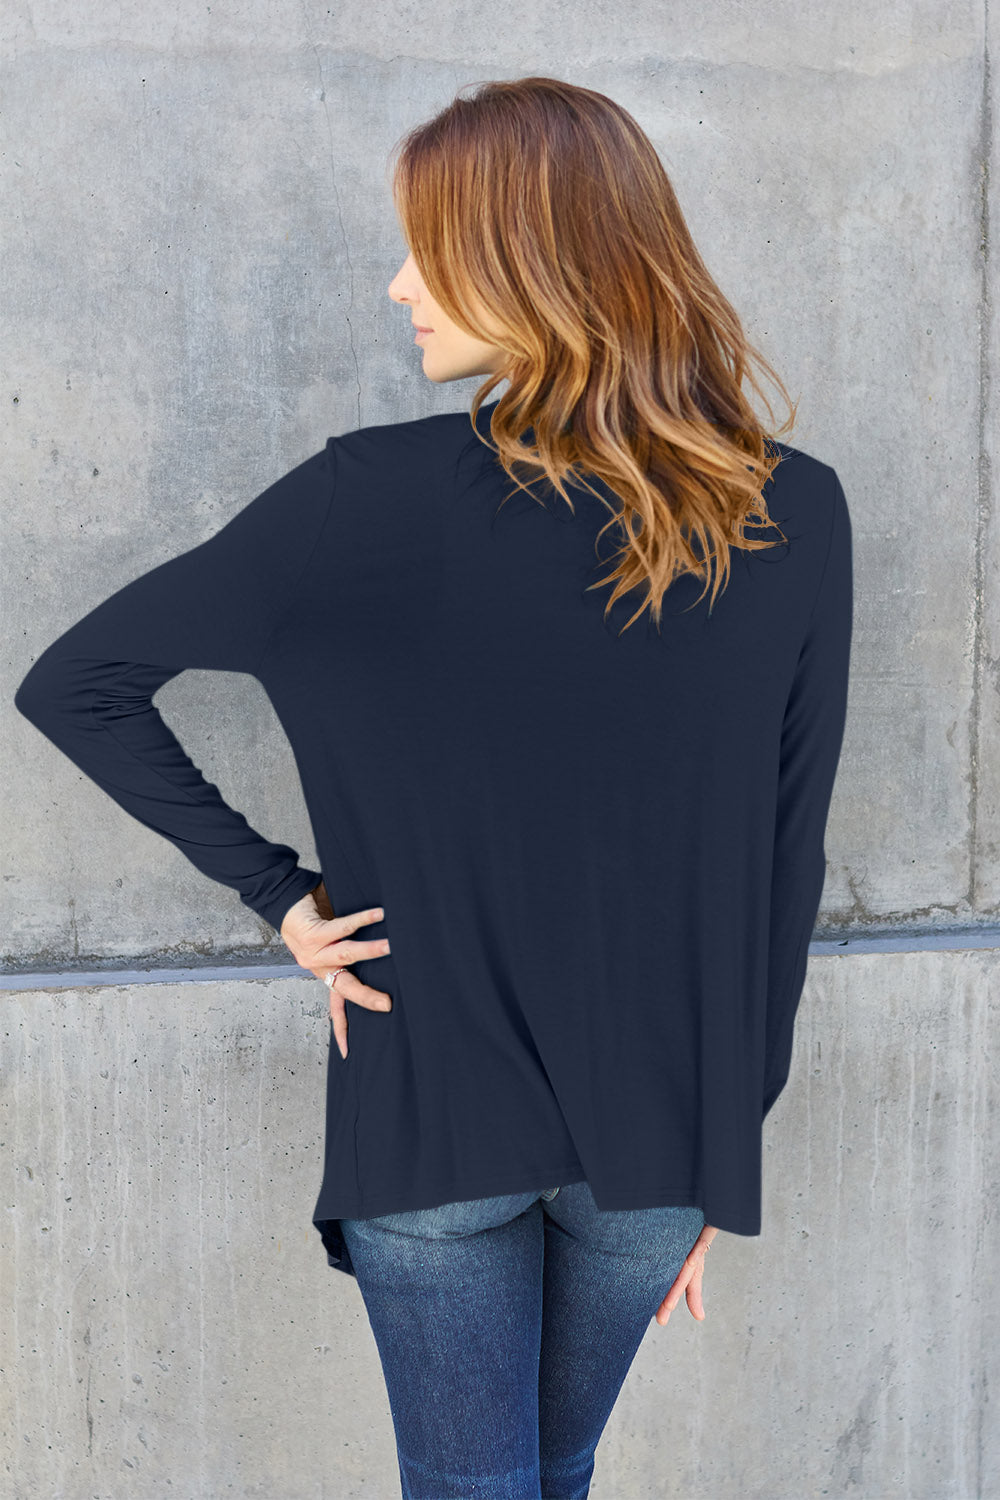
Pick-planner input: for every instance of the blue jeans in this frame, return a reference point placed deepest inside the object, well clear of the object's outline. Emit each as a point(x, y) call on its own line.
point(506, 1327)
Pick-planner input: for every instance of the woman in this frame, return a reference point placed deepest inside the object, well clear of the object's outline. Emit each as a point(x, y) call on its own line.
point(591, 823)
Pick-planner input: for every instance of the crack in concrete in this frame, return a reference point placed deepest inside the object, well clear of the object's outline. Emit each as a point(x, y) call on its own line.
point(981, 662)
point(340, 215)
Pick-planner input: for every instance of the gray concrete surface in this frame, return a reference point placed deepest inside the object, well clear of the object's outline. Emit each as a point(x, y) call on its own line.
point(174, 1328)
point(198, 239)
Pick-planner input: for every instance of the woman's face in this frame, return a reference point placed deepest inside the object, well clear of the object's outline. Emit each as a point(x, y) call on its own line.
point(449, 353)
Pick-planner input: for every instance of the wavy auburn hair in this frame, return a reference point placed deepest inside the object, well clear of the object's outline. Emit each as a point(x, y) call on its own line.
point(543, 222)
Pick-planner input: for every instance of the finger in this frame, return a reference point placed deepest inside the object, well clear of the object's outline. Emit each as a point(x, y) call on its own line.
point(350, 987)
point(694, 1288)
point(670, 1301)
point(694, 1302)
point(688, 1281)
point(663, 1312)
point(338, 1015)
point(343, 951)
point(675, 1293)
point(351, 921)
point(373, 999)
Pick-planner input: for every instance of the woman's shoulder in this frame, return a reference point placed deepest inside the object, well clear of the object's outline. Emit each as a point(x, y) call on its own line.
point(798, 467)
point(405, 438)
point(803, 488)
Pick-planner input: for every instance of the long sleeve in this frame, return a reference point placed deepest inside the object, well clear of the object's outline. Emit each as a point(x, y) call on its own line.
point(214, 607)
point(811, 738)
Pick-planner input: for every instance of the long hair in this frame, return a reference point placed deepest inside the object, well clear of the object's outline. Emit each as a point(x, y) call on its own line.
point(543, 222)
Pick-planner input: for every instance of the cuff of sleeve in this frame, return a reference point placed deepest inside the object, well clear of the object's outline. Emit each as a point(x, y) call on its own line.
point(299, 883)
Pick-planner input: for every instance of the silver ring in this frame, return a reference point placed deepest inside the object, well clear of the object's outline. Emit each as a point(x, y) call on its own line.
point(330, 976)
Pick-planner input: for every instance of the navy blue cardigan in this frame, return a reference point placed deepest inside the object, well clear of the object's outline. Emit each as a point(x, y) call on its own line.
point(600, 855)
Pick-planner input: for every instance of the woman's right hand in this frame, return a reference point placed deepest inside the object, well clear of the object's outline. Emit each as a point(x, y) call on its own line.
point(321, 943)
point(688, 1279)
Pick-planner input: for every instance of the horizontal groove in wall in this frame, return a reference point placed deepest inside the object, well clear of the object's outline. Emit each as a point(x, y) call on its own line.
point(76, 979)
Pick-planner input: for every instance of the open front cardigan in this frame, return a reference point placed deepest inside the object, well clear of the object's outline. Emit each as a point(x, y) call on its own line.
point(600, 855)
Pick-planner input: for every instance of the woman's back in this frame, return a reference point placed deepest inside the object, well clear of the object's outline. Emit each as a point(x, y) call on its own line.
point(599, 852)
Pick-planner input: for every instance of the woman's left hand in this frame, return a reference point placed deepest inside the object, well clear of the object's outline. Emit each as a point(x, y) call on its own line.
point(322, 942)
point(689, 1279)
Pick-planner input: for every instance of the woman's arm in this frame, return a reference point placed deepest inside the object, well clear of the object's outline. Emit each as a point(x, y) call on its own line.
point(213, 607)
point(811, 740)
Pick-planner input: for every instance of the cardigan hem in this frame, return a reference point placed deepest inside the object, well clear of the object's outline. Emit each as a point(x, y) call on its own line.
point(329, 1230)
point(338, 1257)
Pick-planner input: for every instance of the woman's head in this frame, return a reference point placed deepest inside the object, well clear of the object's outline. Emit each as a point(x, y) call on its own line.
point(547, 248)
point(450, 352)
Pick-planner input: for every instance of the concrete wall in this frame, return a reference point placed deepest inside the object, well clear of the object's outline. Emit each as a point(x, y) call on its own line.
point(199, 238)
